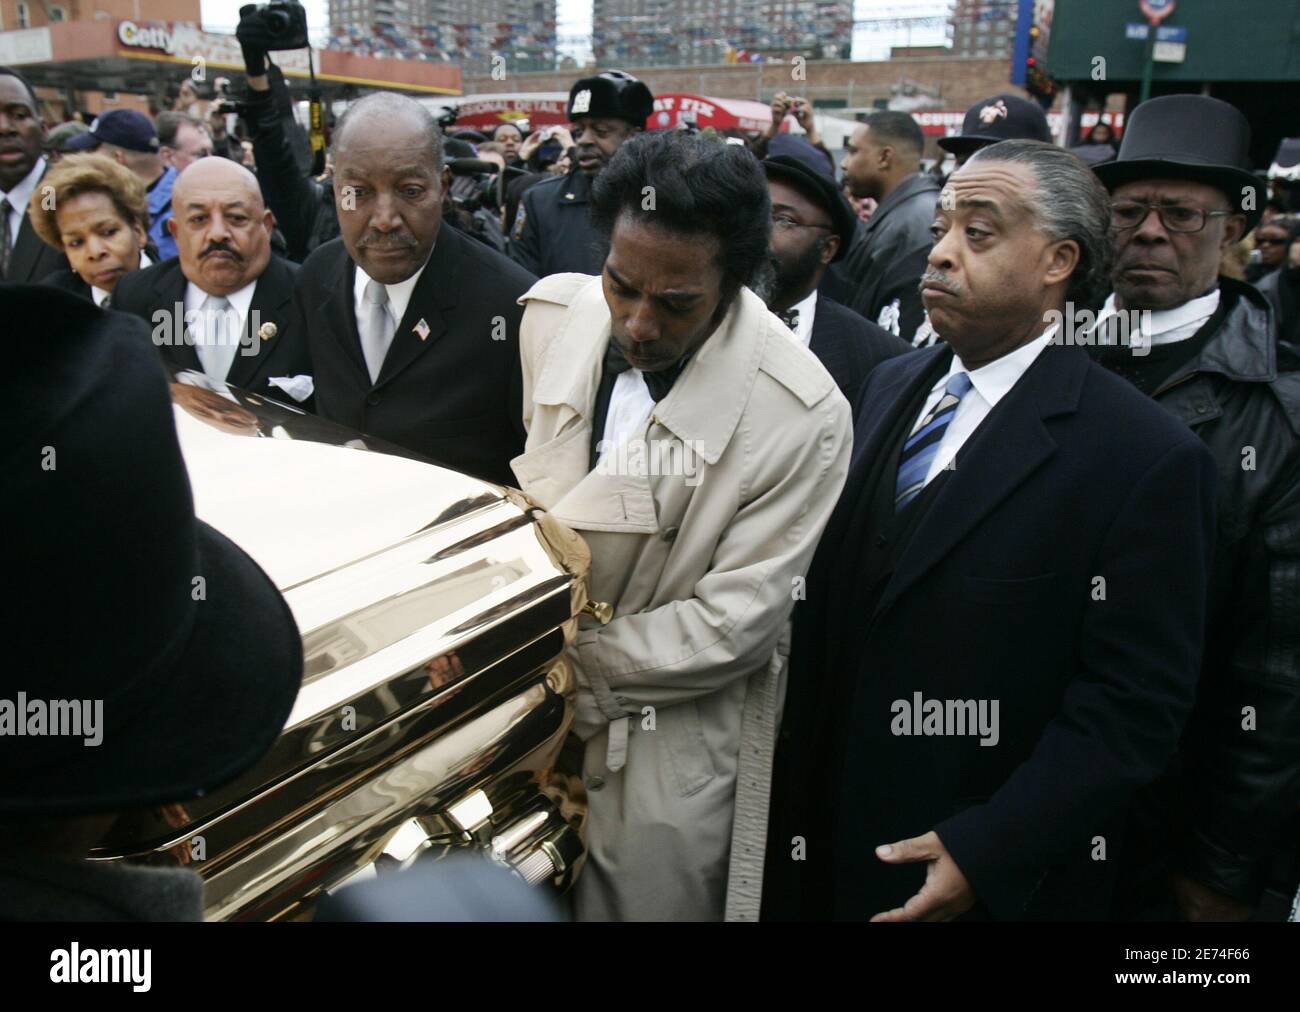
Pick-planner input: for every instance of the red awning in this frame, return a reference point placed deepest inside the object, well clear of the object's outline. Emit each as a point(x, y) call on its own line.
point(676, 108)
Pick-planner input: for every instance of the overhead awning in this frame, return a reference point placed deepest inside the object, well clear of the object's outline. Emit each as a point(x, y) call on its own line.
point(129, 55)
point(676, 108)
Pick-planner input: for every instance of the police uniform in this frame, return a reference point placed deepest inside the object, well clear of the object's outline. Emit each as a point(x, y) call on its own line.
point(552, 233)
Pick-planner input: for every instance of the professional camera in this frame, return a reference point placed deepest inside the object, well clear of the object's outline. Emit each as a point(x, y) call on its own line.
point(285, 23)
point(446, 117)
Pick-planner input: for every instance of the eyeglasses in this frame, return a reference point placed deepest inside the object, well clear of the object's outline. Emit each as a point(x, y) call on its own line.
point(785, 223)
point(1174, 217)
point(1261, 241)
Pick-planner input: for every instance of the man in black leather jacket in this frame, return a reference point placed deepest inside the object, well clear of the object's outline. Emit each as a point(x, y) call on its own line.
point(1222, 826)
point(303, 207)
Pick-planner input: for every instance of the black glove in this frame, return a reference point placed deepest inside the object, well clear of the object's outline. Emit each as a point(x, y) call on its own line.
point(254, 39)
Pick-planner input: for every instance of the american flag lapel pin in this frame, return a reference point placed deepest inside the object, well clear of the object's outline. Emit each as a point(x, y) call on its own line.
point(422, 329)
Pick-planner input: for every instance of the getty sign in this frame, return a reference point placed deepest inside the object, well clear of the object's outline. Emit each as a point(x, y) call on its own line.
point(146, 36)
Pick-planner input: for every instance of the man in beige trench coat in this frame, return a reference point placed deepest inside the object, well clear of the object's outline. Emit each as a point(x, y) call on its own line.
point(699, 448)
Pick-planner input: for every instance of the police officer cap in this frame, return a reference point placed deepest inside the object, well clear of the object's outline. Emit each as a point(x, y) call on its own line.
point(611, 95)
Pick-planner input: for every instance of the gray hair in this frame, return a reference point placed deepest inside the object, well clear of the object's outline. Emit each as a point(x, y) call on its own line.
point(1069, 202)
point(392, 104)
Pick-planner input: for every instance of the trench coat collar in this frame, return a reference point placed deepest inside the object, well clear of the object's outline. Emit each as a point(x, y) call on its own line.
point(702, 410)
point(704, 405)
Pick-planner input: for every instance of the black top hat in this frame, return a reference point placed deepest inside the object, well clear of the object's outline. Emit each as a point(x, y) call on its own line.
point(821, 188)
point(126, 601)
point(1000, 118)
point(611, 95)
point(1191, 137)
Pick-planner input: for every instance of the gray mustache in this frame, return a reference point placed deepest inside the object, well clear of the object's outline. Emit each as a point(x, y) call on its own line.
point(940, 278)
point(388, 242)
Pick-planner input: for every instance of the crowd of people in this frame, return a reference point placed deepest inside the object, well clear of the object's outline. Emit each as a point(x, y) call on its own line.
point(976, 595)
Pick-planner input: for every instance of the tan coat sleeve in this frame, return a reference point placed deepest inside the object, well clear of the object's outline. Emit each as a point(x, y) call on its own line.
point(731, 621)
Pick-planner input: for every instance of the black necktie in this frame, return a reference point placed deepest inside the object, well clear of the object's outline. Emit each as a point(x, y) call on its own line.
point(658, 383)
point(5, 238)
point(790, 318)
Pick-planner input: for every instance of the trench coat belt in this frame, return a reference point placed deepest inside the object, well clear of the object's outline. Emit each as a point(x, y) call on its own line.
point(616, 754)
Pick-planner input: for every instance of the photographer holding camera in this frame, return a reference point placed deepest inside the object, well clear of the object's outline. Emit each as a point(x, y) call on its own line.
point(303, 207)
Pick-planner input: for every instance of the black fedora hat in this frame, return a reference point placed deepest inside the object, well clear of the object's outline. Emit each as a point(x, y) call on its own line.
point(998, 118)
point(1189, 137)
point(161, 653)
point(821, 188)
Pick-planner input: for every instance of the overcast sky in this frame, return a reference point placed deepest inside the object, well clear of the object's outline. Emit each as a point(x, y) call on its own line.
point(575, 19)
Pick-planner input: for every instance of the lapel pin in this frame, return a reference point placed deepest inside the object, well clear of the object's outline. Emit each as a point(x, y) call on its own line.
point(267, 331)
point(568, 196)
point(422, 329)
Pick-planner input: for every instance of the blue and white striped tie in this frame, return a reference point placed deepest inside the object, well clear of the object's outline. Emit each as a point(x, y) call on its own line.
point(922, 445)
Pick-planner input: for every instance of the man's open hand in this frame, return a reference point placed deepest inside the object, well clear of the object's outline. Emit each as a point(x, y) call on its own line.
point(946, 893)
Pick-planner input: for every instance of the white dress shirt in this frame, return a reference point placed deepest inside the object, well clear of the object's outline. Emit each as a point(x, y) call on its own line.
point(216, 357)
point(18, 198)
point(807, 310)
point(399, 295)
point(630, 405)
point(989, 384)
point(1162, 326)
point(100, 294)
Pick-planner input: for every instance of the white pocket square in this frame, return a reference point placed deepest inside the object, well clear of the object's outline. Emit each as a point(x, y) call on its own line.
point(297, 387)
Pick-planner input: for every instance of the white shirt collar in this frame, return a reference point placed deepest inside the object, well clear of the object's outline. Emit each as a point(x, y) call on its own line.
point(807, 310)
point(1165, 326)
point(100, 294)
point(399, 295)
point(22, 193)
point(239, 301)
point(995, 380)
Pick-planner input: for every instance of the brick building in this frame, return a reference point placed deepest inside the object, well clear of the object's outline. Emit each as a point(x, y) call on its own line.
point(695, 32)
point(467, 32)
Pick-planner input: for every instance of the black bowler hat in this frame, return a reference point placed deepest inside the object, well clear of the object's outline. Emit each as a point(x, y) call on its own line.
point(821, 188)
point(195, 677)
point(1190, 137)
point(611, 95)
point(1286, 163)
point(1000, 118)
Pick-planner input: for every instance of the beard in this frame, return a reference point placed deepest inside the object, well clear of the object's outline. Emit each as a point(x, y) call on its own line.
point(792, 276)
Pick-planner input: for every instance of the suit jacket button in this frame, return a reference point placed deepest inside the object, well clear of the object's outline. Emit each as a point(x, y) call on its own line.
point(670, 534)
point(595, 783)
point(372, 399)
point(881, 541)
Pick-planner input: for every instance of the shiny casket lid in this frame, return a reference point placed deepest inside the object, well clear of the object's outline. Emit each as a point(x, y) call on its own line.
point(410, 583)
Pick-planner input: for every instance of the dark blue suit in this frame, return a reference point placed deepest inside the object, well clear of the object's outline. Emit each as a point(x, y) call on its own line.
point(849, 346)
point(1060, 569)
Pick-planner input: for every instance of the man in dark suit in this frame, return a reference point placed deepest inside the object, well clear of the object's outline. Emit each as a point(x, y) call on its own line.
point(1003, 627)
point(812, 226)
point(23, 256)
point(224, 306)
point(413, 328)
